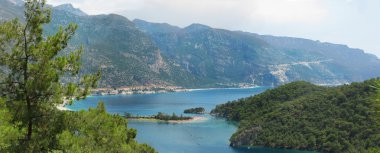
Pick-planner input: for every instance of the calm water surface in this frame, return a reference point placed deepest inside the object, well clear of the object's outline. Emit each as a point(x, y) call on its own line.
point(207, 136)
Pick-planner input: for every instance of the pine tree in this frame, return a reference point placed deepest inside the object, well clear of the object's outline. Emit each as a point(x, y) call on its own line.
point(32, 66)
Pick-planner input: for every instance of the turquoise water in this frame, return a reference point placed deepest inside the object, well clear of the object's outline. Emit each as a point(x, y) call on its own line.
point(206, 136)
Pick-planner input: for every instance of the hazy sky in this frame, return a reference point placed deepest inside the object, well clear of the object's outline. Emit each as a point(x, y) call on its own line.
point(352, 22)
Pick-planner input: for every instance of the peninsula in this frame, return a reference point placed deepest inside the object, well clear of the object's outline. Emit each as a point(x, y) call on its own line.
point(162, 117)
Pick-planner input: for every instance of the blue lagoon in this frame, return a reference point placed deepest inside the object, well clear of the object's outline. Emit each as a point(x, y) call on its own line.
point(205, 136)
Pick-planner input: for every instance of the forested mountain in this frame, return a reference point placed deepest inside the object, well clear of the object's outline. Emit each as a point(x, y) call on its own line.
point(111, 42)
point(234, 56)
point(10, 9)
point(144, 53)
point(304, 116)
point(125, 54)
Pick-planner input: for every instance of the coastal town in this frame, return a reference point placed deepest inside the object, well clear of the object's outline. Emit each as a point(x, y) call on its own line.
point(151, 89)
point(137, 90)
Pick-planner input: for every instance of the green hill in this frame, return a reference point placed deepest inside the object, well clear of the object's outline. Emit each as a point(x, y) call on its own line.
point(304, 116)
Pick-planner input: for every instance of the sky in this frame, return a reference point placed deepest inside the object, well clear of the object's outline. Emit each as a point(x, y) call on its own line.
point(355, 23)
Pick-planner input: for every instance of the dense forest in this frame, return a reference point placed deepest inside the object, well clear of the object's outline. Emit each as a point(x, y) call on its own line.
point(159, 116)
point(173, 117)
point(304, 116)
point(197, 110)
point(32, 67)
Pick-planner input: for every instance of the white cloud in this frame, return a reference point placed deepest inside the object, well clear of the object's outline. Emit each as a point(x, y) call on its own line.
point(289, 11)
point(276, 11)
point(94, 7)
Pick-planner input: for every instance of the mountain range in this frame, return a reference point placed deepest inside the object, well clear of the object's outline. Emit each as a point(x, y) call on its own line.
point(139, 52)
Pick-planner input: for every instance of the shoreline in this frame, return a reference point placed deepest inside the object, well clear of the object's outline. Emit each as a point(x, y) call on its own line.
point(62, 107)
point(193, 119)
point(200, 89)
point(121, 91)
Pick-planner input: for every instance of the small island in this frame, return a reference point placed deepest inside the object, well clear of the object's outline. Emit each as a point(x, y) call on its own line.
point(197, 110)
point(162, 117)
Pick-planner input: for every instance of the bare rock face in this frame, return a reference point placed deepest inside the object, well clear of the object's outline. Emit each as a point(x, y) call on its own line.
point(144, 53)
point(232, 56)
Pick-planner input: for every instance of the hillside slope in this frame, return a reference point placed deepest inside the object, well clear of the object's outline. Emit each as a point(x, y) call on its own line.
point(234, 56)
point(112, 43)
point(144, 53)
point(125, 55)
point(304, 116)
point(10, 9)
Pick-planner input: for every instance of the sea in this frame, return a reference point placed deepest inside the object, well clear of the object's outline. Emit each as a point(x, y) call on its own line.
point(209, 135)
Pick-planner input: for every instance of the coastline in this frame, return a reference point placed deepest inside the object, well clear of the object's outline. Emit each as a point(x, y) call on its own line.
point(200, 89)
point(154, 90)
point(62, 107)
point(109, 92)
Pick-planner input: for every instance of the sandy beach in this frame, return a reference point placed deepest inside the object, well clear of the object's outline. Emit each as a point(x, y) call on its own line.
point(62, 106)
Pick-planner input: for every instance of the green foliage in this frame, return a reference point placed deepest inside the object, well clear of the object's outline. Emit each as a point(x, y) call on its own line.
point(97, 131)
point(9, 133)
point(197, 110)
point(160, 116)
point(303, 116)
point(165, 117)
point(31, 86)
point(374, 150)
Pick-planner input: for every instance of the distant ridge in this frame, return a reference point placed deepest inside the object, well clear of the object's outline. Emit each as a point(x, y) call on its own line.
point(70, 8)
point(138, 52)
point(155, 27)
point(233, 56)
